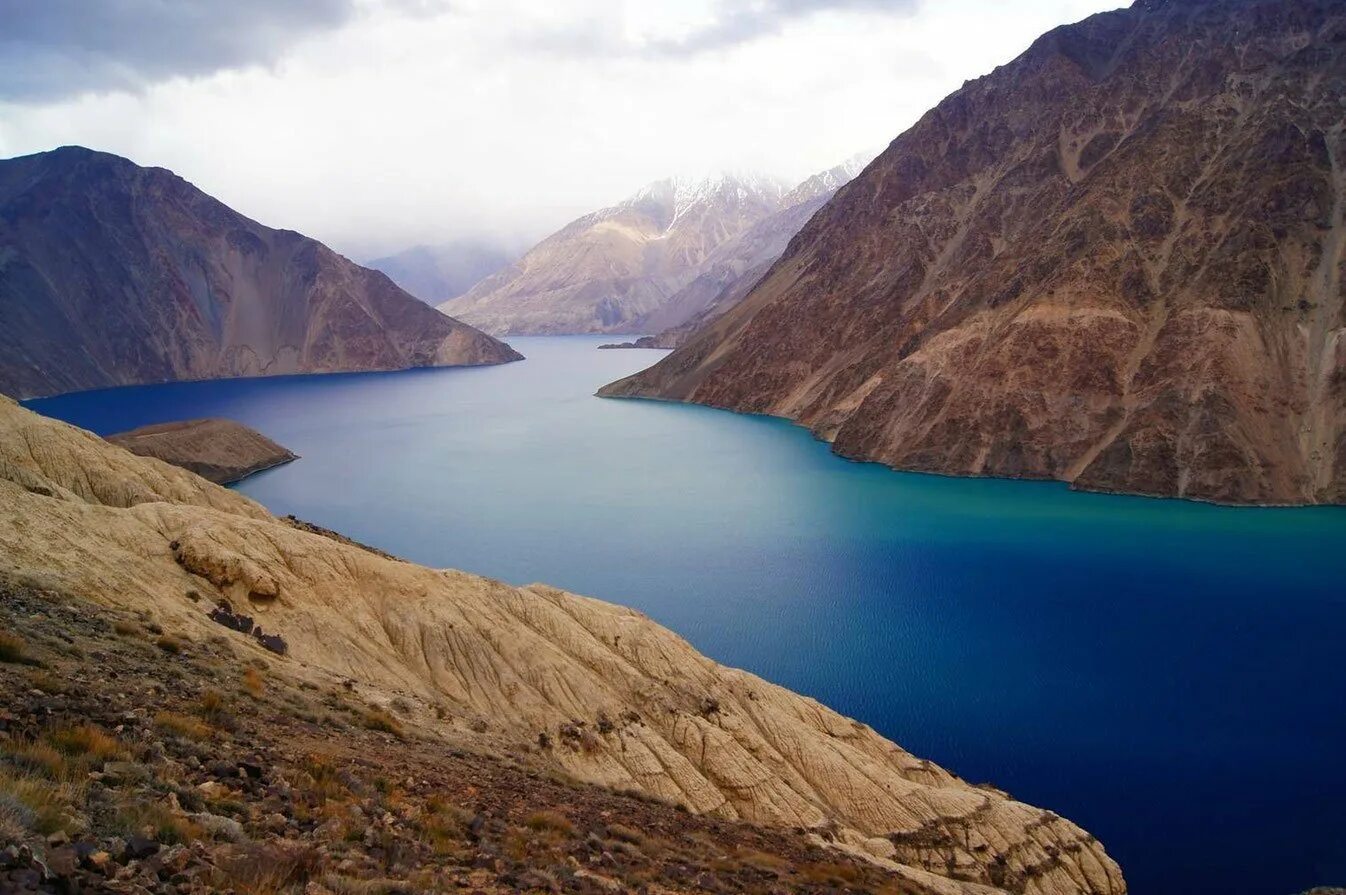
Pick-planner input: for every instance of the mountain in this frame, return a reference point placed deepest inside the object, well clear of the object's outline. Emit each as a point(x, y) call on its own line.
point(437, 273)
point(114, 274)
point(1115, 261)
point(735, 266)
point(558, 683)
point(610, 269)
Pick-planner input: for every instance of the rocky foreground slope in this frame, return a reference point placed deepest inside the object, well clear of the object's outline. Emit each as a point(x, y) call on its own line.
point(114, 274)
point(592, 689)
point(221, 451)
point(1119, 261)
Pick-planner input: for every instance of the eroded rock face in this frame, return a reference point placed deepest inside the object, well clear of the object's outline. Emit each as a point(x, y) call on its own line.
point(113, 274)
point(623, 702)
point(1117, 261)
point(221, 451)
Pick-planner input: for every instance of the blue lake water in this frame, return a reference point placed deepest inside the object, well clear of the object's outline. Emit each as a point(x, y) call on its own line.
point(1169, 675)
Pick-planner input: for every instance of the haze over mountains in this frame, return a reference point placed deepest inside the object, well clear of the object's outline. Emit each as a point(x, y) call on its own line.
point(651, 262)
point(114, 274)
point(436, 273)
point(1116, 261)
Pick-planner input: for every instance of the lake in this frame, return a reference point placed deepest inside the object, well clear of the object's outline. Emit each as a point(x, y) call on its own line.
point(1169, 675)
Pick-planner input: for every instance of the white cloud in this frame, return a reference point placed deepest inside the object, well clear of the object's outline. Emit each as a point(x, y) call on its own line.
point(415, 122)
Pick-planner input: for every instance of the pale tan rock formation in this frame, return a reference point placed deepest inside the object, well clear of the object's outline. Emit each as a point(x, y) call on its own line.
point(625, 702)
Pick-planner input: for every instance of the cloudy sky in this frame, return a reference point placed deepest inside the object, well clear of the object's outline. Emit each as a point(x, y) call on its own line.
point(378, 124)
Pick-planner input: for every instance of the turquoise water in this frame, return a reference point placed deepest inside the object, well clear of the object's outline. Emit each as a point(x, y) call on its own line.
point(1169, 675)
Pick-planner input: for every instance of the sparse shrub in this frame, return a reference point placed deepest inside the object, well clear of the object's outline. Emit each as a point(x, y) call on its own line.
point(623, 833)
point(374, 718)
point(15, 818)
point(253, 683)
point(36, 803)
point(47, 682)
point(549, 821)
point(13, 649)
point(326, 779)
point(212, 705)
point(266, 868)
point(830, 873)
point(154, 820)
point(184, 726)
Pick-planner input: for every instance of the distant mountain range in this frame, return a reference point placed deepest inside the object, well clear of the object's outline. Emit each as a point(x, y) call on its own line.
point(1118, 260)
point(653, 261)
point(437, 273)
point(114, 274)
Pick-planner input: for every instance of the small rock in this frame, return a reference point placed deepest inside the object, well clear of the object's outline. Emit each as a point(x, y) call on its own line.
point(138, 848)
point(122, 773)
point(218, 827)
point(61, 862)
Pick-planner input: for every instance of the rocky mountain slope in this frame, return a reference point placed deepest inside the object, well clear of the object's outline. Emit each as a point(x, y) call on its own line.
point(134, 759)
point(113, 274)
point(609, 270)
point(221, 451)
point(590, 688)
point(437, 273)
point(1116, 261)
point(734, 267)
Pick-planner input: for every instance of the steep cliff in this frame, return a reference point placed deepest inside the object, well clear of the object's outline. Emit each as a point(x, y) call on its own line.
point(114, 274)
point(1116, 261)
point(622, 701)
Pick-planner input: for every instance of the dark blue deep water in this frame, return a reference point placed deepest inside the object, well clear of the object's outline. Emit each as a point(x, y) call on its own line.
point(1169, 675)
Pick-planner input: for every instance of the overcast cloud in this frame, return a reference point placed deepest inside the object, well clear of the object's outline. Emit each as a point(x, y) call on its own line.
point(378, 124)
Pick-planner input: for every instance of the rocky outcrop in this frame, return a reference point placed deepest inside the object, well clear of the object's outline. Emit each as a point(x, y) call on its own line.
point(1116, 261)
point(603, 692)
point(607, 271)
point(221, 451)
point(113, 274)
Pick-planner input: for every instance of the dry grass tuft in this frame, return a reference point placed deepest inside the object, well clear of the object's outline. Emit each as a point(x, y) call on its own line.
point(126, 629)
point(47, 682)
point(151, 819)
point(184, 726)
point(374, 718)
point(88, 742)
point(549, 822)
point(169, 644)
point(35, 804)
point(39, 758)
point(253, 683)
point(267, 868)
